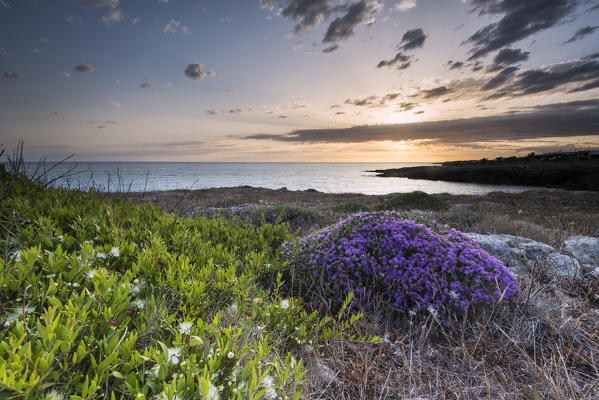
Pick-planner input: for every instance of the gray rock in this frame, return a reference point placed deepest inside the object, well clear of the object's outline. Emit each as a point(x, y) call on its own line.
point(584, 248)
point(504, 248)
point(565, 266)
point(534, 250)
point(460, 207)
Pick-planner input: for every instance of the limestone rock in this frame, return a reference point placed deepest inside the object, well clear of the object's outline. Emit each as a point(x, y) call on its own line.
point(584, 248)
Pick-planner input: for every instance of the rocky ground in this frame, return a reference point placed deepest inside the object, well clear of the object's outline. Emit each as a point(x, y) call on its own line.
point(544, 345)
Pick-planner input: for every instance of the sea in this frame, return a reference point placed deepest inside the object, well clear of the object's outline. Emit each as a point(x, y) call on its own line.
point(324, 177)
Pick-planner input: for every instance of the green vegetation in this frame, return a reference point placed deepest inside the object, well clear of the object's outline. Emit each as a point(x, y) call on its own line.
point(103, 299)
point(413, 201)
point(351, 208)
point(296, 217)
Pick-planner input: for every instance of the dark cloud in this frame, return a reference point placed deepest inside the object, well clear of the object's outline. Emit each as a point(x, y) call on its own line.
point(510, 56)
point(401, 58)
point(580, 72)
point(341, 28)
point(455, 64)
point(330, 49)
point(367, 101)
point(435, 92)
point(477, 66)
point(106, 124)
point(145, 85)
point(196, 72)
point(211, 112)
point(235, 111)
point(307, 13)
point(419, 112)
point(412, 39)
point(519, 19)
point(373, 101)
point(12, 75)
point(582, 32)
point(407, 106)
point(500, 79)
point(85, 68)
point(554, 120)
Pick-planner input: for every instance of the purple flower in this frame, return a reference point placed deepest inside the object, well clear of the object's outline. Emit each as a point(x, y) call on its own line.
point(407, 265)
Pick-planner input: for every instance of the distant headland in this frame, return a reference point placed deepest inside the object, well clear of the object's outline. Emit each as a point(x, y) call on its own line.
point(577, 170)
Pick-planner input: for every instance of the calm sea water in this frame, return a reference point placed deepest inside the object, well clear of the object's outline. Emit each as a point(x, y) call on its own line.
point(324, 177)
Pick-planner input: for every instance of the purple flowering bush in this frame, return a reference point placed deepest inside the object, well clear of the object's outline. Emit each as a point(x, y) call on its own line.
point(402, 264)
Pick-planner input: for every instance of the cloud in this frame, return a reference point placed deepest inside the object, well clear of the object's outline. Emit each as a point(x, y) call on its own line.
point(135, 20)
point(106, 124)
point(399, 58)
point(85, 68)
point(210, 112)
point(500, 79)
point(5, 52)
point(185, 30)
point(172, 26)
point(582, 32)
point(145, 85)
point(407, 106)
point(405, 5)
point(36, 50)
point(519, 19)
point(65, 75)
point(4, 4)
point(307, 13)
point(115, 103)
point(342, 28)
point(581, 72)
point(43, 40)
point(580, 118)
point(196, 72)
point(330, 49)
point(508, 56)
point(455, 64)
point(112, 16)
point(412, 39)
point(235, 111)
point(435, 92)
point(12, 75)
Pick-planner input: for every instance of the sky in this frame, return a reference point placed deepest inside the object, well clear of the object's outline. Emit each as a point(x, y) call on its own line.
point(298, 80)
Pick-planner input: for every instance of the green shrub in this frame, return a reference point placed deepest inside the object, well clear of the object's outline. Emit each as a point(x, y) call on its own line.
point(413, 201)
point(351, 208)
point(105, 299)
point(296, 217)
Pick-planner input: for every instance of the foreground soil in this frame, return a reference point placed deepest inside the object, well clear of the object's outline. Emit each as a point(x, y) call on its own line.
point(566, 173)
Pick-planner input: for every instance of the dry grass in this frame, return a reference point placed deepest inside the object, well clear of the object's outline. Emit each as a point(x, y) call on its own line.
point(545, 346)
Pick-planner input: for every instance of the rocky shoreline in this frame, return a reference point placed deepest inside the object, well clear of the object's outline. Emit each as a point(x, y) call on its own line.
point(571, 171)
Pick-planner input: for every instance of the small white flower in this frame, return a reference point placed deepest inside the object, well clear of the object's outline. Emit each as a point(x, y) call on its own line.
point(230, 355)
point(268, 383)
point(185, 327)
point(285, 304)
point(453, 294)
point(75, 284)
point(54, 395)
point(115, 252)
point(90, 274)
point(232, 308)
point(140, 304)
point(17, 256)
point(49, 276)
point(432, 311)
point(17, 314)
point(173, 355)
point(101, 255)
point(412, 313)
point(257, 300)
point(213, 392)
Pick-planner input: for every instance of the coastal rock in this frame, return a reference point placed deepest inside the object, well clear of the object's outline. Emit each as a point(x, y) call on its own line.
point(565, 266)
point(517, 253)
point(460, 207)
point(504, 248)
point(584, 248)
